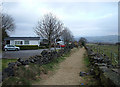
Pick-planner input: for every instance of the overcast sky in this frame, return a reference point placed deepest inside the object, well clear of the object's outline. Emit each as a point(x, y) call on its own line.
point(82, 18)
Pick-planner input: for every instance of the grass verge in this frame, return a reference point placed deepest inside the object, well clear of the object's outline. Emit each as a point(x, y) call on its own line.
point(53, 65)
point(89, 79)
point(86, 59)
point(5, 62)
point(0, 65)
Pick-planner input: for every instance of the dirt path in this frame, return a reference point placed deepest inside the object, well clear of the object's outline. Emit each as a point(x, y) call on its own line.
point(68, 72)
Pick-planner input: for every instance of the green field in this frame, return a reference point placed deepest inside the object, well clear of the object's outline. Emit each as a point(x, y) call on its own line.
point(110, 50)
point(4, 63)
point(0, 65)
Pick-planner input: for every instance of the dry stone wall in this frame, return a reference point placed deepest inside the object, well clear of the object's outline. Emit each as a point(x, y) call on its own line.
point(103, 70)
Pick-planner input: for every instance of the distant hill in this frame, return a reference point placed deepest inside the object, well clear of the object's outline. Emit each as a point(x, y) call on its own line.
point(106, 39)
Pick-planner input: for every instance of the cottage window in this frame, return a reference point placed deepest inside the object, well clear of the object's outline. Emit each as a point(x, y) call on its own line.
point(26, 42)
point(18, 43)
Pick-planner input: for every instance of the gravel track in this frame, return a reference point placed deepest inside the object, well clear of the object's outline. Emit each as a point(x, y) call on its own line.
point(68, 72)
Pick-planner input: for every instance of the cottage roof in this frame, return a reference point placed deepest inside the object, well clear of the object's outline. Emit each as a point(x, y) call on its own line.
point(22, 38)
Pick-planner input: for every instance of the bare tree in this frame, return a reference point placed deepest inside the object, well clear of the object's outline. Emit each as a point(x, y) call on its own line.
point(8, 25)
point(67, 35)
point(49, 27)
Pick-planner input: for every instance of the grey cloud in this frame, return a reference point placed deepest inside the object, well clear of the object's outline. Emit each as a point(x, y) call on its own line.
point(82, 18)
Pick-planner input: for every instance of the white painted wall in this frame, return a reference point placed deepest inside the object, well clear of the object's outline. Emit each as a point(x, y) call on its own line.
point(31, 42)
point(34, 42)
point(12, 42)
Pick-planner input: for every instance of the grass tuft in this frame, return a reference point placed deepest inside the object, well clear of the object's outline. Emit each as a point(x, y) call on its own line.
point(86, 60)
point(5, 62)
point(90, 80)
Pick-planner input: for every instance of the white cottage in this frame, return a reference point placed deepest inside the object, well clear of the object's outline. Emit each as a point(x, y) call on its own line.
point(22, 40)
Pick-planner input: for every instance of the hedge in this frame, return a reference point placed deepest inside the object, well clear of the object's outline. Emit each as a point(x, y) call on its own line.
point(42, 47)
point(28, 47)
